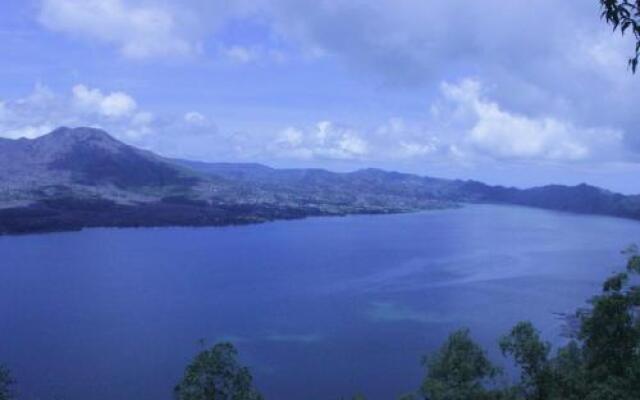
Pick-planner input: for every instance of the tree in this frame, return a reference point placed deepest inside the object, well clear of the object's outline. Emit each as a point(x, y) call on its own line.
point(6, 384)
point(569, 375)
point(215, 374)
point(625, 16)
point(610, 334)
point(531, 354)
point(459, 370)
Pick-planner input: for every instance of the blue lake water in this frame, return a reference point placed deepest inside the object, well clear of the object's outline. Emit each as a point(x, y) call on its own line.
point(319, 308)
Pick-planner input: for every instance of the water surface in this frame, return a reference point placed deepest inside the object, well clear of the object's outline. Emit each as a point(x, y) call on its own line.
point(319, 308)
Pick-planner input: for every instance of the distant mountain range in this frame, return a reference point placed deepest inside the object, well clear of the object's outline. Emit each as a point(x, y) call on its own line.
point(73, 178)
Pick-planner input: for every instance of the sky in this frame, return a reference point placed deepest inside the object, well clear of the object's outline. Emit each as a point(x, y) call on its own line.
point(518, 93)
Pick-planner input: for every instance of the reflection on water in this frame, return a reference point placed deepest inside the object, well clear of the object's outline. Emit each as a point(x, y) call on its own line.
point(390, 312)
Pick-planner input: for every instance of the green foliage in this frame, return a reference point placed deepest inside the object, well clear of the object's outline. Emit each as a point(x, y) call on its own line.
point(633, 264)
point(610, 335)
point(625, 16)
point(459, 370)
point(6, 384)
point(568, 372)
point(610, 332)
point(615, 283)
point(216, 375)
point(531, 354)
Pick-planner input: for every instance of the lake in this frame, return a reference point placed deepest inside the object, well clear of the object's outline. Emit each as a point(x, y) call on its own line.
point(318, 308)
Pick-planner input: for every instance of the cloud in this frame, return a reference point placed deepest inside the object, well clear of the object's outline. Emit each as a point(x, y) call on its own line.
point(25, 131)
point(257, 53)
point(400, 139)
point(550, 58)
point(190, 134)
point(550, 85)
point(195, 118)
point(464, 126)
point(502, 134)
point(412, 40)
point(241, 55)
point(116, 104)
point(394, 140)
point(556, 58)
point(325, 140)
point(139, 31)
point(31, 116)
point(43, 110)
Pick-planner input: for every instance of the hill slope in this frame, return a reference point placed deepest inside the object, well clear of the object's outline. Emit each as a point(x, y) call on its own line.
point(581, 198)
point(83, 177)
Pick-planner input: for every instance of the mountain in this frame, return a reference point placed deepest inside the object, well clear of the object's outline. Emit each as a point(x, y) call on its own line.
point(73, 178)
point(73, 161)
point(582, 198)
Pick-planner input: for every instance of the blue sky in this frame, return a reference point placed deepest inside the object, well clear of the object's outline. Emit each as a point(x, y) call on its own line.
point(518, 93)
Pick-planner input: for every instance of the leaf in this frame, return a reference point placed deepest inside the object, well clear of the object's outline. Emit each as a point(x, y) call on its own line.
point(633, 63)
point(615, 283)
point(633, 265)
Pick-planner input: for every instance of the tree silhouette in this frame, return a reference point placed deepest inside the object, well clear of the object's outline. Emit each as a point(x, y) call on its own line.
point(624, 15)
point(215, 374)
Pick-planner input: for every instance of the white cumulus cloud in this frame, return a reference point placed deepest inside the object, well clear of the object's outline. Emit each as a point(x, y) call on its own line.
point(490, 130)
point(139, 31)
point(325, 140)
point(465, 127)
point(43, 110)
point(115, 104)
